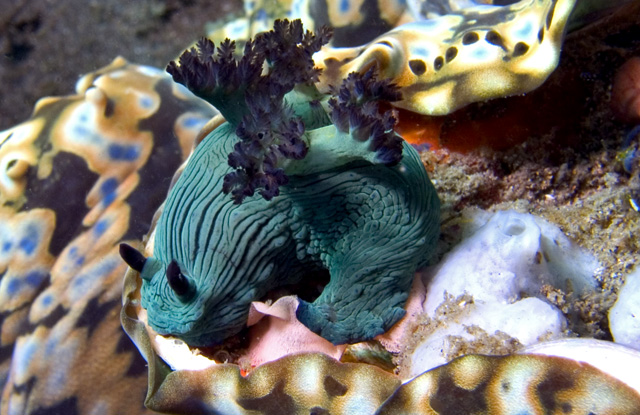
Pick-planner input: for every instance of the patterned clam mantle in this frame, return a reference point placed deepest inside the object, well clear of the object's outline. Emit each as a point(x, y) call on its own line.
point(70, 181)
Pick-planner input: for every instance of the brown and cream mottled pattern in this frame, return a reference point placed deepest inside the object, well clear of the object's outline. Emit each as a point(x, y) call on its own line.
point(68, 190)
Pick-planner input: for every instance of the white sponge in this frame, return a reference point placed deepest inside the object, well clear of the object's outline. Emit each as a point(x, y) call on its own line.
point(490, 288)
point(527, 321)
point(624, 316)
point(512, 255)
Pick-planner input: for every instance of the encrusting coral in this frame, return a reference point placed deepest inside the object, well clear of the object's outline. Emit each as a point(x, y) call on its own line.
point(349, 197)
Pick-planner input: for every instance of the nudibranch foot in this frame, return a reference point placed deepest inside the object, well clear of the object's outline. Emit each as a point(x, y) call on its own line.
point(377, 225)
point(349, 323)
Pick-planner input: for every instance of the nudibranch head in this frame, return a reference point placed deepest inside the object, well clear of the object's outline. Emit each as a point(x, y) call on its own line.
point(181, 309)
point(168, 281)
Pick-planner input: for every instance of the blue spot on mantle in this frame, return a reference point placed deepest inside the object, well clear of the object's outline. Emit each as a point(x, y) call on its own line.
point(525, 31)
point(100, 227)
point(14, 286)
point(82, 132)
point(146, 102)
point(419, 51)
point(123, 152)
point(192, 122)
point(47, 300)
point(73, 254)
point(480, 53)
point(30, 241)
point(32, 279)
point(81, 285)
point(108, 190)
point(35, 278)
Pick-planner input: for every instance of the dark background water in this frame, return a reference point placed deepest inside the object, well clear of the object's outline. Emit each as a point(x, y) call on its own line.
point(46, 45)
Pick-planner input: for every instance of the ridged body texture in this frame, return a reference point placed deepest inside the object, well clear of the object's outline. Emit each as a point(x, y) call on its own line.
point(369, 225)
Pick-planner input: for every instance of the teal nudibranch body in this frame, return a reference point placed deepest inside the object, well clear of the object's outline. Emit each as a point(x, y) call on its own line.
point(370, 225)
point(338, 191)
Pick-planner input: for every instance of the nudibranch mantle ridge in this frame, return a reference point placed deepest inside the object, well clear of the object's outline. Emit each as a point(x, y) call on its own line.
point(364, 211)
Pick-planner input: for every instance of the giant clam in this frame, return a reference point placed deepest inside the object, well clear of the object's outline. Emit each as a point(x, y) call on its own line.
point(76, 290)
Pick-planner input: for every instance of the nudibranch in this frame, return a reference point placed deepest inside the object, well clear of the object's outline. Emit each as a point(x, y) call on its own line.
point(339, 192)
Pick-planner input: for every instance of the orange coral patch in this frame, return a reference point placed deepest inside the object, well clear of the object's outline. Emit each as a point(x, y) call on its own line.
point(418, 129)
point(625, 93)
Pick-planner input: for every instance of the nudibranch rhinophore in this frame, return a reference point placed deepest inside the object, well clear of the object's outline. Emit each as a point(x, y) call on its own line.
point(340, 192)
